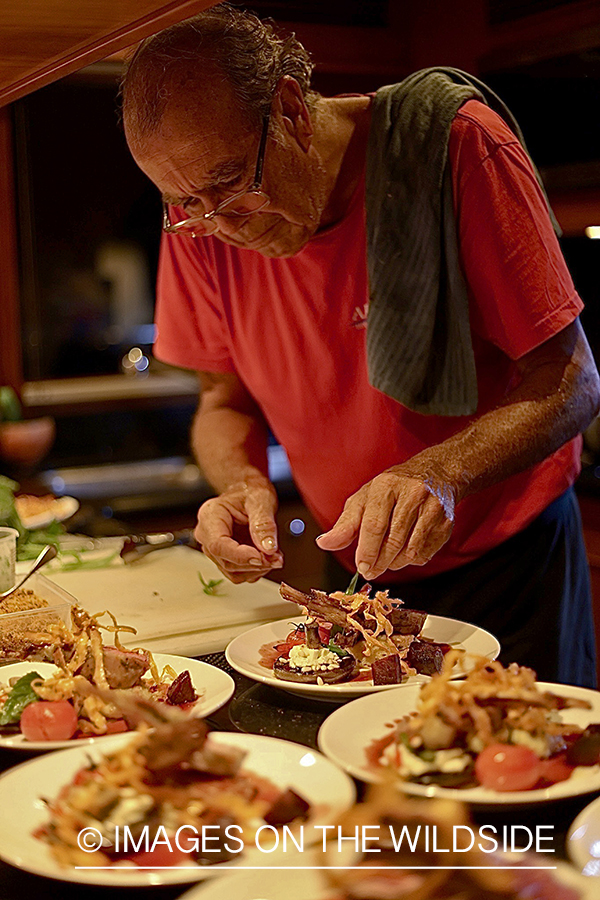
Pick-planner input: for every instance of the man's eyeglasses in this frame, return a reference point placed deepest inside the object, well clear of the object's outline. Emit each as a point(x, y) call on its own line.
point(244, 203)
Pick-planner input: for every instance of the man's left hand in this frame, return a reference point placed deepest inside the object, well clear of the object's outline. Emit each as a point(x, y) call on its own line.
point(399, 518)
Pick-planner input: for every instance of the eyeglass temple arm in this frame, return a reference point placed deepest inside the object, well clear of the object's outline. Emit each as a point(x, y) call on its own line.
point(261, 150)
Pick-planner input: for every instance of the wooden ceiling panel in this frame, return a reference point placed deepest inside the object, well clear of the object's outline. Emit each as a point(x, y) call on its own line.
point(41, 40)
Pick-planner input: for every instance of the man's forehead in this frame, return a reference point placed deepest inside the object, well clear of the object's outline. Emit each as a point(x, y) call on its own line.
point(193, 160)
point(220, 130)
point(203, 137)
point(214, 152)
point(206, 100)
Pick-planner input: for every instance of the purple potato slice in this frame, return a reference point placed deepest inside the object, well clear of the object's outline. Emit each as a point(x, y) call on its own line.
point(346, 670)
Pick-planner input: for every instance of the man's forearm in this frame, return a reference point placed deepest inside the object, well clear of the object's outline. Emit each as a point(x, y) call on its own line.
point(501, 443)
point(237, 529)
point(551, 406)
point(230, 446)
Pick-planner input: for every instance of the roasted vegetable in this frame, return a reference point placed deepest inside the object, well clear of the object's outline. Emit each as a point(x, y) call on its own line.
point(407, 621)
point(182, 690)
point(586, 749)
point(288, 806)
point(387, 670)
point(425, 657)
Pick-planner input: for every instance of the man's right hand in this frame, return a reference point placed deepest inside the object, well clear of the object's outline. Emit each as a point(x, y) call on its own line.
point(237, 530)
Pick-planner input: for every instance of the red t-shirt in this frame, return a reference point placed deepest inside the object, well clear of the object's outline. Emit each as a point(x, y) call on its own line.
point(293, 330)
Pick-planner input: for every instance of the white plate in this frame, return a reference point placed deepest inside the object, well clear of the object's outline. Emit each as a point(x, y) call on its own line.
point(345, 734)
point(276, 884)
point(58, 510)
point(243, 654)
point(217, 687)
point(583, 840)
point(316, 779)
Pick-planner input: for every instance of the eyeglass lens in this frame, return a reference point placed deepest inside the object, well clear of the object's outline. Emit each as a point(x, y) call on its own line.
point(246, 205)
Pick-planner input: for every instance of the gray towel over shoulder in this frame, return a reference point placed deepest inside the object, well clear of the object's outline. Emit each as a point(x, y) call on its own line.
point(419, 343)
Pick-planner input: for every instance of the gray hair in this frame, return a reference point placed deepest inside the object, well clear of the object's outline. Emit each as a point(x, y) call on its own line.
point(245, 49)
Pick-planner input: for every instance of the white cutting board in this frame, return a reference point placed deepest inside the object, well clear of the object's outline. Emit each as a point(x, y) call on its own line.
point(162, 597)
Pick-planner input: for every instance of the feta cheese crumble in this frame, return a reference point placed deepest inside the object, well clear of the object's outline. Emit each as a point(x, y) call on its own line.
point(309, 659)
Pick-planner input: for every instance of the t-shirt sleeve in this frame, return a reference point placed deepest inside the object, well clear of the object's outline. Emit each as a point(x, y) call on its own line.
point(520, 290)
point(191, 328)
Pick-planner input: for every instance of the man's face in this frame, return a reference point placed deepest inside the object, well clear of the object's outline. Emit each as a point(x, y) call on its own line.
point(198, 160)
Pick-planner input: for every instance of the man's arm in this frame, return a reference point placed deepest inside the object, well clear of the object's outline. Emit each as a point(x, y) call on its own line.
point(405, 515)
point(237, 529)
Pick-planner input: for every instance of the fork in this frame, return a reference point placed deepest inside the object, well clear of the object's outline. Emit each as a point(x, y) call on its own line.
point(48, 553)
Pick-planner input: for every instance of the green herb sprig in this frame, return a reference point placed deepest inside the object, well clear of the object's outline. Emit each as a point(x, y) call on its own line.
point(351, 589)
point(339, 651)
point(210, 587)
point(80, 562)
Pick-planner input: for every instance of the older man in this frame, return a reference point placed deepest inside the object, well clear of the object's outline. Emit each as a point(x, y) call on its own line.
point(440, 455)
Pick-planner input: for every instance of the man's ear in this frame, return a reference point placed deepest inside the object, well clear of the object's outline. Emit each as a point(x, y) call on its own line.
point(290, 108)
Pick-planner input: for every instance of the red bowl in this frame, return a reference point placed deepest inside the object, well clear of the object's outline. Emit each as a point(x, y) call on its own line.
point(28, 441)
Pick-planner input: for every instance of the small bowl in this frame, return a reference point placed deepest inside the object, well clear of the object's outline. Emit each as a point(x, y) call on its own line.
point(28, 441)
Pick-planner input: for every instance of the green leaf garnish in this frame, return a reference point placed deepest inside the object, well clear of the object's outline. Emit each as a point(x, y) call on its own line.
point(337, 650)
point(351, 589)
point(210, 587)
point(426, 755)
point(21, 696)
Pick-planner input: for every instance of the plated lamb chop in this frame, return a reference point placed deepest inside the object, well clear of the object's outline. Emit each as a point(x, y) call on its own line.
point(355, 636)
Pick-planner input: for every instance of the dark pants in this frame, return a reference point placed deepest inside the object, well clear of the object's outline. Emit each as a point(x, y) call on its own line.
point(532, 592)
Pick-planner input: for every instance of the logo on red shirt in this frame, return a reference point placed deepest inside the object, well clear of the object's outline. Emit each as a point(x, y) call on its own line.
point(359, 316)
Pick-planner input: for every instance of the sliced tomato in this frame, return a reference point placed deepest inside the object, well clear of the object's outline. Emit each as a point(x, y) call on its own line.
point(269, 652)
point(292, 640)
point(296, 636)
point(49, 720)
point(116, 726)
point(508, 767)
point(161, 856)
point(83, 775)
point(555, 769)
point(325, 632)
point(374, 750)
